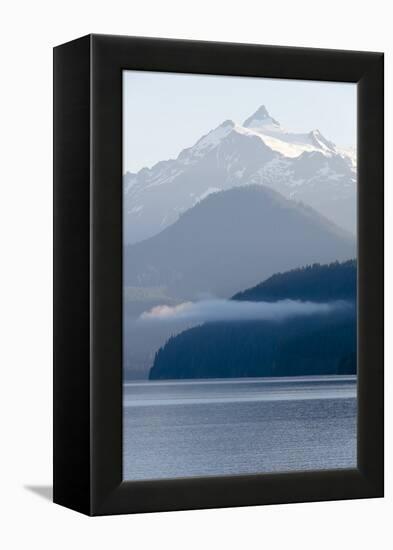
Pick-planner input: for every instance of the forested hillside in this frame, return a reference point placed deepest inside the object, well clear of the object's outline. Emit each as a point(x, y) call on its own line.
point(317, 283)
point(323, 343)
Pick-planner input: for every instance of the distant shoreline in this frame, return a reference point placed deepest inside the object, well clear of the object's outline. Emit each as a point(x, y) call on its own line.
point(244, 380)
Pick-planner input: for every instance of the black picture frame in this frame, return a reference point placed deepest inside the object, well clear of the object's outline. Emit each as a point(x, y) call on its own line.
point(88, 274)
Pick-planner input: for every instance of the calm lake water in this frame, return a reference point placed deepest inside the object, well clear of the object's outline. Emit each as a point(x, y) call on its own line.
point(238, 426)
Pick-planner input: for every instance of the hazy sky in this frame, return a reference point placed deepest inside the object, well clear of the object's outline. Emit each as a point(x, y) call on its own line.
point(167, 112)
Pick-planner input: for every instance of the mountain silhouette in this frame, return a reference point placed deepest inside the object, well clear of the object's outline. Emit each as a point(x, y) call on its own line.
point(303, 166)
point(234, 239)
point(318, 344)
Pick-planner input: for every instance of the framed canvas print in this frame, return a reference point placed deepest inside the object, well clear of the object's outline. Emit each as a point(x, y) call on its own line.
point(218, 275)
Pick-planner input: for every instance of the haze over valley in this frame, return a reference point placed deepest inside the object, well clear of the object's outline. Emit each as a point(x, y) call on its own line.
point(245, 202)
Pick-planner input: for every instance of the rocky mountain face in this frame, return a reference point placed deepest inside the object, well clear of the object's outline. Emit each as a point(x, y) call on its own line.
point(304, 167)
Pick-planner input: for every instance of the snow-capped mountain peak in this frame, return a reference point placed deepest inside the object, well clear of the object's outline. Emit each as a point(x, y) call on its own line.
point(301, 166)
point(207, 142)
point(289, 144)
point(261, 119)
point(320, 141)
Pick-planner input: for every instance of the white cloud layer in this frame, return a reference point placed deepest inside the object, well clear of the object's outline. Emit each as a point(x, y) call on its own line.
point(232, 310)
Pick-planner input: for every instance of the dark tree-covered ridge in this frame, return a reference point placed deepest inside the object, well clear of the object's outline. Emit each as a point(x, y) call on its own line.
point(311, 345)
point(316, 283)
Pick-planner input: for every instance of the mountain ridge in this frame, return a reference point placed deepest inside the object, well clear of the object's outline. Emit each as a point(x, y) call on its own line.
point(335, 281)
point(302, 166)
point(312, 345)
point(221, 244)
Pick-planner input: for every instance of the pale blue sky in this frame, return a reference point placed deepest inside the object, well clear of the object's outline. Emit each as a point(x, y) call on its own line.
point(167, 112)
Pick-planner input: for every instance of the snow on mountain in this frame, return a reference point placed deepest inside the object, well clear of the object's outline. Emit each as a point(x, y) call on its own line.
point(349, 152)
point(302, 166)
point(261, 119)
point(290, 144)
